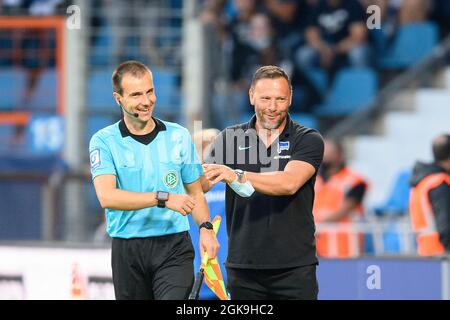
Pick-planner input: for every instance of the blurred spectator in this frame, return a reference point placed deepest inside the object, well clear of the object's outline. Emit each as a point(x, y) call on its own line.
point(336, 36)
point(212, 13)
point(405, 11)
point(134, 21)
point(395, 13)
point(252, 44)
point(287, 24)
point(339, 196)
point(412, 11)
point(430, 200)
point(440, 13)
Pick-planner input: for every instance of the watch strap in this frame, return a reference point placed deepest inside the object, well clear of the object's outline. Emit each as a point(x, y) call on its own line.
point(208, 225)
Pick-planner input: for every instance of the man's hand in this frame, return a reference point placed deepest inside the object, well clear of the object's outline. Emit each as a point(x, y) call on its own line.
point(181, 203)
point(219, 172)
point(208, 242)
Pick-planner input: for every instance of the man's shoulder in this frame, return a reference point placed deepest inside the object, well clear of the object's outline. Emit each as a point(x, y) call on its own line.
point(174, 127)
point(107, 132)
point(300, 131)
point(236, 128)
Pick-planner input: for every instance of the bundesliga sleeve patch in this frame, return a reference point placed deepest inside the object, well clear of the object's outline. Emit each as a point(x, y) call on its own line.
point(95, 158)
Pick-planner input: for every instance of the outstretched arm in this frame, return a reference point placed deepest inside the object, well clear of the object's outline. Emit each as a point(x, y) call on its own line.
point(200, 214)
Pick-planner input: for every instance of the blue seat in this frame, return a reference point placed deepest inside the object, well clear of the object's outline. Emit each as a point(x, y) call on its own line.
point(7, 132)
point(318, 78)
point(412, 43)
point(13, 86)
point(352, 89)
point(369, 245)
point(44, 96)
point(6, 48)
point(398, 198)
point(99, 90)
point(305, 119)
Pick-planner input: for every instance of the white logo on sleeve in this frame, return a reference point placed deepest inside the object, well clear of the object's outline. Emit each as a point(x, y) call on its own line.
point(241, 148)
point(95, 158)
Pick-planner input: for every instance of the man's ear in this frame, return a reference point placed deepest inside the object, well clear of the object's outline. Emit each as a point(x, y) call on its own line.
point(251, 96)
point(117, 97)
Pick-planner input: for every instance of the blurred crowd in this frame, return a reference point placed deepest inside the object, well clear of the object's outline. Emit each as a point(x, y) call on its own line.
point(33, 7)
point(303, 34)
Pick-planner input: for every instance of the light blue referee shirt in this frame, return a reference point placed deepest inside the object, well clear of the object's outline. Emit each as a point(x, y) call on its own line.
point(165, 163)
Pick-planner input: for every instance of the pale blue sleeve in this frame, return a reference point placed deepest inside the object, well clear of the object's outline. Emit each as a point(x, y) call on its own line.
point(100, 157)
point(191, 169)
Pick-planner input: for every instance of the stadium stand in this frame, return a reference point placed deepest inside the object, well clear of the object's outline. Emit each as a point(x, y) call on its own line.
point(405, 50)
point(352, 88)
point(13, 83)
point(44, 95)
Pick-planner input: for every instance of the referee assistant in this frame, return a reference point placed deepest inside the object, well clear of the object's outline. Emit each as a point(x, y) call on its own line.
point(271, 249)
point(141, 167)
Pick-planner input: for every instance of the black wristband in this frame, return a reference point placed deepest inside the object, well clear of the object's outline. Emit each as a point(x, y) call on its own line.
point(162, 197)
point(208, 225)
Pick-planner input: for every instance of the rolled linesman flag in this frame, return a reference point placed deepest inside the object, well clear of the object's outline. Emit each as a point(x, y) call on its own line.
point(210, 271)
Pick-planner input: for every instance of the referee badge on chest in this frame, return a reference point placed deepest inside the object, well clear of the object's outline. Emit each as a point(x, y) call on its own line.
point(170, 179)
point(283, 145)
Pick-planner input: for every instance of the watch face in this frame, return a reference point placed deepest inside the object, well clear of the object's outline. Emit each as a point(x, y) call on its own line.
point(162, 195)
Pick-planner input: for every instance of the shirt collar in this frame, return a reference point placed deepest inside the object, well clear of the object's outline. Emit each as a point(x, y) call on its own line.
point(159, 126)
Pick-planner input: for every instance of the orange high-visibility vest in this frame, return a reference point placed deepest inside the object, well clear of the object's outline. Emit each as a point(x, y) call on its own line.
point(340, 242)
point(422, 216)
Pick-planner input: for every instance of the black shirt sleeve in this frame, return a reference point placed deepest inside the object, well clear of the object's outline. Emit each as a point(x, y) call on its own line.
point(440, 203)
point(309, 148)
point(357, 192)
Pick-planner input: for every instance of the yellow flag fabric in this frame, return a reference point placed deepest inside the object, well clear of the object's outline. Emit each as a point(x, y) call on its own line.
point(211, 269)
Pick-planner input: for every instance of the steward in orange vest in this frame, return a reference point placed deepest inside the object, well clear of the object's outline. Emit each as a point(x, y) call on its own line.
point(338, 202)
point(429, 202)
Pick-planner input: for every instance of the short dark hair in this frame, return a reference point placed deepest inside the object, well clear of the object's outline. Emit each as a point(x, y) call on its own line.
point(135, 68)
point(441, 147)
point(269, 72)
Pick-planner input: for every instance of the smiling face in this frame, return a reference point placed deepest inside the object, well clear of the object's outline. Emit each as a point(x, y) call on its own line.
point(138, 96)
point(271, 98)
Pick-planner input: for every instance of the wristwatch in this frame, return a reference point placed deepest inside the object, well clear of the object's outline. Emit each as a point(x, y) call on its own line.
point(162, 197)
point(208, 225)
point(240, 175)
